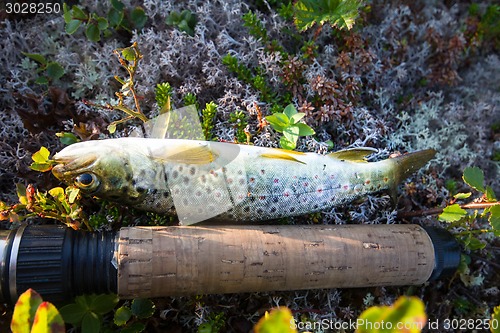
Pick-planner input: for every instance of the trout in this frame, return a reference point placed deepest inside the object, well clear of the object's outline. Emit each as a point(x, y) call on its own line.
point(199, 180)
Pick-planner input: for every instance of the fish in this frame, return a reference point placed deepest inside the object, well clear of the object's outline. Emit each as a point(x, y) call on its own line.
point(200, 180)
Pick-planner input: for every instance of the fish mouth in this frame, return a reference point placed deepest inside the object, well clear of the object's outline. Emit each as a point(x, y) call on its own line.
point(70, 165)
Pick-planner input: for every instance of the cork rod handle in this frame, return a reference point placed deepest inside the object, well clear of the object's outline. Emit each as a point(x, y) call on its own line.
point(170, 261)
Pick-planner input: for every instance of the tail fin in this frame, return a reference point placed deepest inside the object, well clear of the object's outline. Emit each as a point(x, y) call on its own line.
point(409, 163)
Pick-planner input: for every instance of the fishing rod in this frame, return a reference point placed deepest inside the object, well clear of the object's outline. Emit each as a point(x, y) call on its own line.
point(60, 263)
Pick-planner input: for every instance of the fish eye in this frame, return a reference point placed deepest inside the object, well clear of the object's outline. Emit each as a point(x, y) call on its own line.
point(86, 181)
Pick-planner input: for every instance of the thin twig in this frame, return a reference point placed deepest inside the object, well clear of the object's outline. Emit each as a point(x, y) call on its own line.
point(437, 211)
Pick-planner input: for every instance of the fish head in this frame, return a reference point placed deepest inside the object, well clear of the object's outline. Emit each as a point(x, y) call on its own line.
point(97, 168)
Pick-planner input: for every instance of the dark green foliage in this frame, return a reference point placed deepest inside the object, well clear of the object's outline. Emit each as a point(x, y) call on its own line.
point(208, 118)
point(88, 310)
point(289, 124)
point(255, 26)
point(163, 95)
point(184, 21)
point(258, 82)
point(97, 26)
point(191, 99)
point(338, 13)
point(50, 70)
point(240, 122)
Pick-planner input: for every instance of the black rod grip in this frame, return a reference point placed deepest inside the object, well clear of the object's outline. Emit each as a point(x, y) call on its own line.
point(57, 262)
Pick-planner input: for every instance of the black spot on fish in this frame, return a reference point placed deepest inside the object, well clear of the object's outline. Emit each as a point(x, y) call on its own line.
point(140, 189)
point(246, 209)
point(154, 191)
point(192, 171)
point(275, 199)
point(185, 180)
point(175, 174)
point(273, 210)
point(260, 211)
point(292, 209)
point(251, 198)
point(166, 194)
point(158, 204)
point(181, 168)
point(134, 182)
point(315, 206)
point(240, 172)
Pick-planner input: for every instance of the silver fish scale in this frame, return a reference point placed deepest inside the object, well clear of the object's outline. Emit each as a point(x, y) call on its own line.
point(275, 190)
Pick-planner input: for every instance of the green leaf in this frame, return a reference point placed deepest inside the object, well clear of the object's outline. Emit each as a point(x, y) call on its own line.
point(111, 128)
point(452, 213)
point(54, 70)
point(21, 193)
point(460, 196)
point(41, 156)
point(72, 193)
point(68, 16)
point(407, 312)
point(104, 303)
point(138, 17)
point(48, 319)
point(67, 138)
point(122, 315)
point(115, 17)
point(473, 244)
point(129, 54)
point(41, 167)
point(37, 57)
point(42, 80)
point(72, 26)
point(490, 194)
point(286, 144)
point(494, 218)
point(495, 320)
point(292, 133)
point(93, 34)
point(142, 308)
point(117, 4)
point(79, 13)
point(73, 313)
point(278, 121)
point(296, 118)
point(290, 111)
point(305, 130)
point(102, 23)
point(24, 311)
point(474, 177)
point(58, 194)
point(91, 323)
point(278, 320)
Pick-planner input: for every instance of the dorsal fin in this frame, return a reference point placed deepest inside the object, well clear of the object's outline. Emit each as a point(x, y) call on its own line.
point(187, 153)
point(353, 154)
point(193, 155)
point(196, 152)
point(282, 155)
